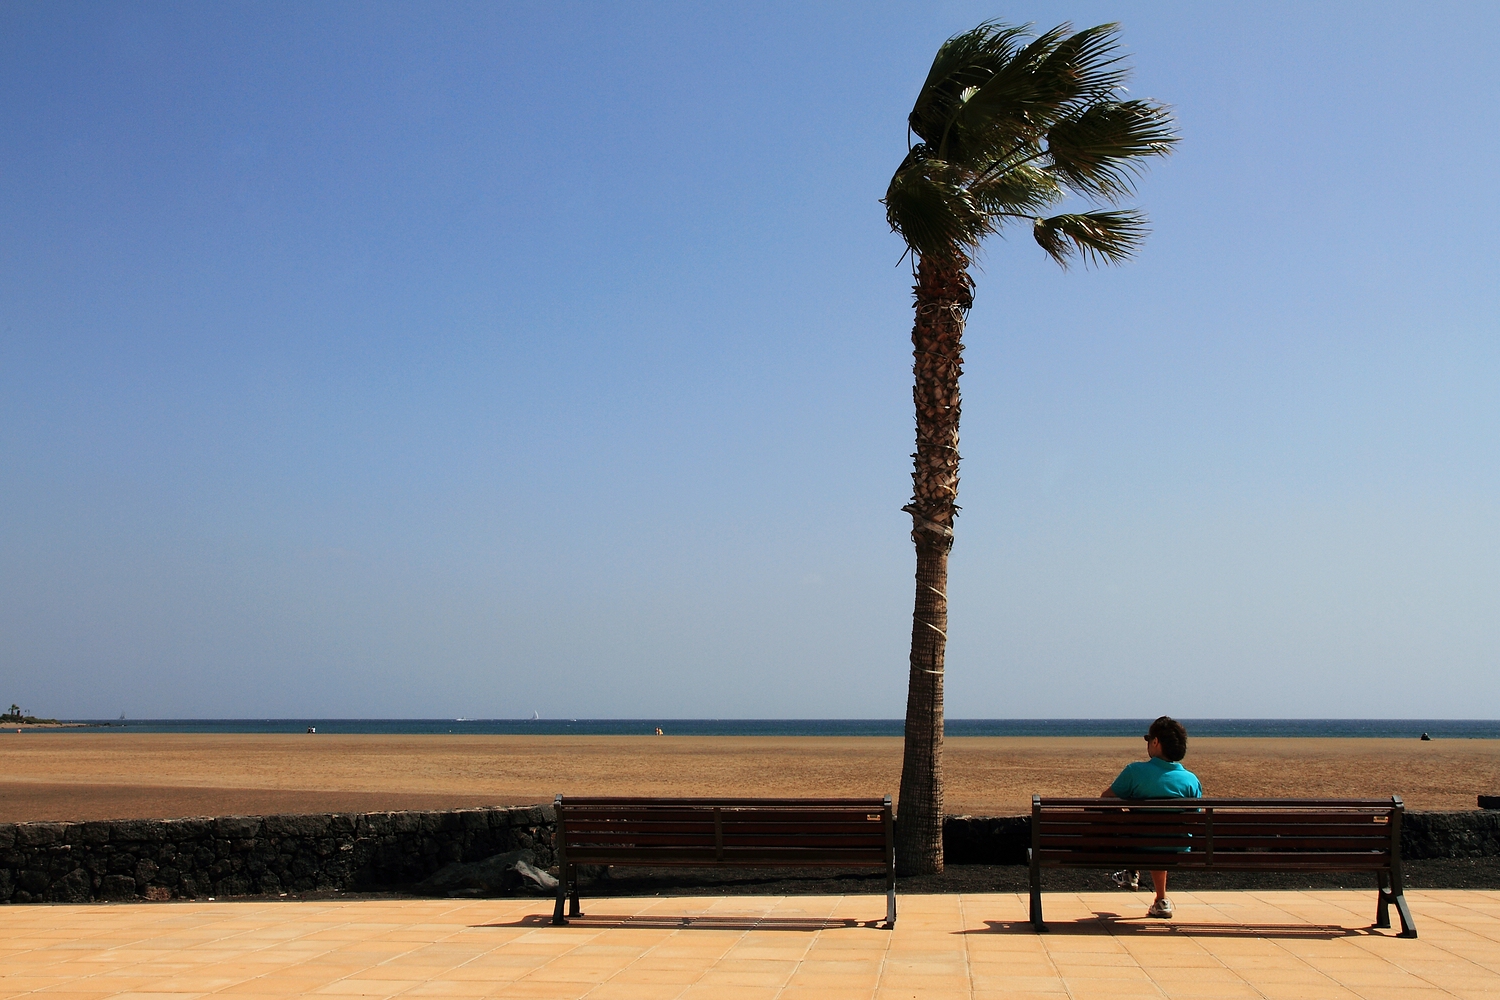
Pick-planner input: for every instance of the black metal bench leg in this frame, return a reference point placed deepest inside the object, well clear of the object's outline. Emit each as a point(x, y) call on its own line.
point(1382, 901)
point(562, 893)
point(1408, 927)
point(573, 910)
point(1037, 924)
point(1390, 895)
point(1398, 879)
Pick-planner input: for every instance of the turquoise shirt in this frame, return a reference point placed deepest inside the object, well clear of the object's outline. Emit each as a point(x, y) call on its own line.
point(1156, 779)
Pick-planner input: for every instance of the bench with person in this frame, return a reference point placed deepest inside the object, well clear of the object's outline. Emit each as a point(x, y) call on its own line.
point(1206, 834)
point(722, 833)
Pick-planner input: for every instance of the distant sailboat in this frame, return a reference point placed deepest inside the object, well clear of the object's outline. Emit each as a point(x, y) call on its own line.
point(535, 717)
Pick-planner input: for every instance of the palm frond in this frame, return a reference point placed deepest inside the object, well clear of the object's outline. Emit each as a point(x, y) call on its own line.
point(1022, 190)
point(1096, 237)
point(963, 63)
point(1099, 149)
point(1047, 81)
point(1012, 104)
point(932, 211)
point(1084, 66)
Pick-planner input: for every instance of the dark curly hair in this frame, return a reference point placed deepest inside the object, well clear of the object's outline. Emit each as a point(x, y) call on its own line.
point(1172, 735)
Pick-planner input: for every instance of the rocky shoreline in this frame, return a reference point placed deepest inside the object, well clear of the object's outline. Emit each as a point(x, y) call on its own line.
point(18, 726)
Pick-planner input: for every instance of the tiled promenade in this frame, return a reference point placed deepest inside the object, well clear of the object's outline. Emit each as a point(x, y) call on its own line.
point(1275, 945)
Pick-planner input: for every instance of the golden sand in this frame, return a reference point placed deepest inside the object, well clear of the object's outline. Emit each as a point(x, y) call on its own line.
point(114, 775)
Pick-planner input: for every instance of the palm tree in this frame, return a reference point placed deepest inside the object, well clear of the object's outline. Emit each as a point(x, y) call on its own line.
point(1009, 124)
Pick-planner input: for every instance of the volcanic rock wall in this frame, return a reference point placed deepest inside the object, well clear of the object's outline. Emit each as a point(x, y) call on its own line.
point(243, 855)
point(270, 855)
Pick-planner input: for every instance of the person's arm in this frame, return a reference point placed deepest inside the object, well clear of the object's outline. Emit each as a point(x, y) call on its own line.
point(1121, 783)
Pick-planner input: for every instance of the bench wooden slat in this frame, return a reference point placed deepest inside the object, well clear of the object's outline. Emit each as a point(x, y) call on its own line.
point(668, 841)
point(1303, 862)
point(1320, 805)
point(726, 819)
point(726, 805)
point(1231, 825)
point(770, 813)
point(1249, 820)
point(728, 822)
point(1144, 825)
point(1137, 841)
point(1331, 861)
point(730, 857)
point(1232, 844)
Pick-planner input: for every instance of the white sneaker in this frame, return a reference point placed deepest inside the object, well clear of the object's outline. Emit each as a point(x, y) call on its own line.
point(1161, 908)
point(1127, 879)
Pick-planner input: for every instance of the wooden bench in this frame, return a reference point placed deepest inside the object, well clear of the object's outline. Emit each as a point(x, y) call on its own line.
point(723, 833)
point(1284, 835)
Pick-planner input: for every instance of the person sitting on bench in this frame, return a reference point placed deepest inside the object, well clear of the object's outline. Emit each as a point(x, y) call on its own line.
point(1161, 776)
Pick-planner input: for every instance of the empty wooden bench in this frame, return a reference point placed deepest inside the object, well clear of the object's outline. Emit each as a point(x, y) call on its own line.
point(722, 833)
point(1283, 835)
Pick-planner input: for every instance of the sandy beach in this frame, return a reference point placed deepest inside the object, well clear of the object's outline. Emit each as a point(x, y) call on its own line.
point(115, 775)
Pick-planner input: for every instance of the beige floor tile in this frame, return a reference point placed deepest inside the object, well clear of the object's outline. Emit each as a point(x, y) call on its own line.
point(771, 980)
point(366, 987)
point(1214, 991)
point(568, 974)
point(944, 946)
point(866, 981)
point(824, 992)
point(1191, 974)
point(924, 984)
point(839, 964)
point(545, 991)
point(1295, 991)
point(625, 991)
point(1096, 990)
point(697, 992)
point(451, 988)
point(659, 977)
point(1033, 984)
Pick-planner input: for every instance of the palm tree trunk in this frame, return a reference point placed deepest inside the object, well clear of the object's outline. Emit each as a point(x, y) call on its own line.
point(943, 295)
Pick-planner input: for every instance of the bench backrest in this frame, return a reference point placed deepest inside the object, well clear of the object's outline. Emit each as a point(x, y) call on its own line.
point(729, 832)
point(1329, 834)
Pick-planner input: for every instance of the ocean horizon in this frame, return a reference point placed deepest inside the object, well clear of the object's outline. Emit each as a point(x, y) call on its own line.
point(1299, 728)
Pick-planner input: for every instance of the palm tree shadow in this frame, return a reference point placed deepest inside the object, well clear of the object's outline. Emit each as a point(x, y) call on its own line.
point(675, 922)
point(1107, 923)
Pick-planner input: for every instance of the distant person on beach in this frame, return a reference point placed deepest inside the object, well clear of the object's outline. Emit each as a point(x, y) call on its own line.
point(1161, 776)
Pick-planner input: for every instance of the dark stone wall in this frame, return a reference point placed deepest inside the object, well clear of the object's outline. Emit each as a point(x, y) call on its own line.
point(986, 840)
point(245, 855)
point(1451, 834)
point(242, 855)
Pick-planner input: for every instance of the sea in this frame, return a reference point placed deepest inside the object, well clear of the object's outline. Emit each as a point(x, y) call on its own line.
point(1481, 729)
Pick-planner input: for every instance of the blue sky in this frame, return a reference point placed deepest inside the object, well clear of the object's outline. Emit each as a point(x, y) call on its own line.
point(389, 360)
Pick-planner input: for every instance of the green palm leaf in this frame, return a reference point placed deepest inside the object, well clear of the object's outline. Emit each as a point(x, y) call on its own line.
point(1096, 237)
point(963, 63)
point(1100, 150)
